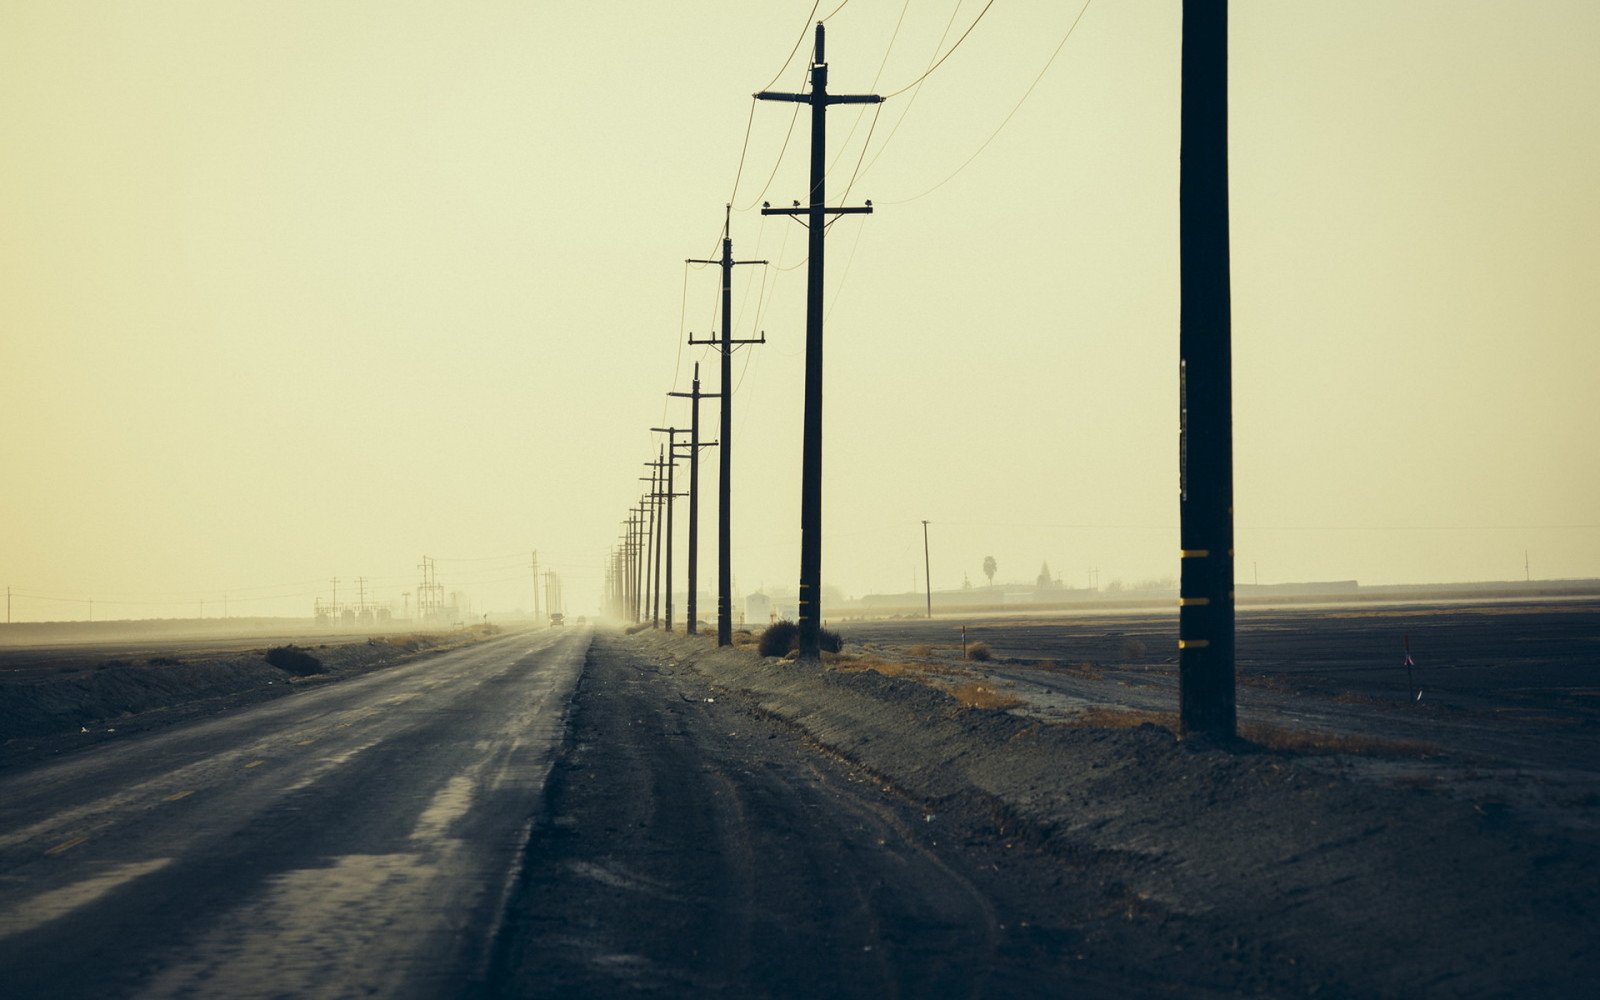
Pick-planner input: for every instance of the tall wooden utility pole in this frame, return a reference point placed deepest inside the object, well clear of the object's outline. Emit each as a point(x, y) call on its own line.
point(662, 492)
point(671, 463)
point(726, 344)
point(636, 568)
point(816, 213)
point(651, 547)
point(927, 569)
point(695, 445)
point(1205, 372)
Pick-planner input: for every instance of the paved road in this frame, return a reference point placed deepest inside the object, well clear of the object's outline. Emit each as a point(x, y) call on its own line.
point(350, 840)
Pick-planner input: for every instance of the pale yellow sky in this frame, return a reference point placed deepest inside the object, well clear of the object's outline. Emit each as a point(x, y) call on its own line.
point(297, 290)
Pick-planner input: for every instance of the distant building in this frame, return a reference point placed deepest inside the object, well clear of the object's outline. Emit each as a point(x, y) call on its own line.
point(758, 609)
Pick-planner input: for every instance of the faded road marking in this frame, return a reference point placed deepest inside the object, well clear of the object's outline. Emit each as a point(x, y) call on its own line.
point(179, 795)
point(69, 845)
point(255, 763)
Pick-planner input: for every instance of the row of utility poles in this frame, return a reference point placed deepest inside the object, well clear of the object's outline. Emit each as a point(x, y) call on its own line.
point(1206, 603)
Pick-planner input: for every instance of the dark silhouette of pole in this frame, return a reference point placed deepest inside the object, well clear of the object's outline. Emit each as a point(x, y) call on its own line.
point(672, 463)
point(652, 559)
point(927, 571)
point(726, 344)
point(1205, 395)
point(693, 610)
point(816, 214)
point(636, 570)
point(662, 492)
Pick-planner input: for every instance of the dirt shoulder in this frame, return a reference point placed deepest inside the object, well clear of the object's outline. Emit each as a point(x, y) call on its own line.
point(56, 703)
point(1219, 868)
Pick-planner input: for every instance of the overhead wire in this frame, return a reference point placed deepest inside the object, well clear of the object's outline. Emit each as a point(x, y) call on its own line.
point(932, 62)
point(1004, 122)
point(861, 112)
point(947, 54)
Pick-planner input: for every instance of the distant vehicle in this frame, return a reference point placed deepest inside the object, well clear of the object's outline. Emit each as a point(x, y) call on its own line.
point(557, 618)
point(583, 620)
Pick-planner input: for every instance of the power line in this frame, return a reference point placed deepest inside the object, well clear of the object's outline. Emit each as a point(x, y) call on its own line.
point(947, 54)
point(1004, 122)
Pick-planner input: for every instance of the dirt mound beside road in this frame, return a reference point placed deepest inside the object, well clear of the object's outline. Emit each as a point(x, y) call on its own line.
point(1218, 869)
point(93, 695)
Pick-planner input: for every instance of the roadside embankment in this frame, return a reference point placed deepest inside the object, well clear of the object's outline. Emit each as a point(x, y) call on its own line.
point(1240, 858)
point(98, 694)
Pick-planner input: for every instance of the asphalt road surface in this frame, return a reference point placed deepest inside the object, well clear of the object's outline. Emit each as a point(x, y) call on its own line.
point(354, 839)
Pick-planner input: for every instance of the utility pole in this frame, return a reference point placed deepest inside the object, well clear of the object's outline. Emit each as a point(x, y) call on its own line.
point(693, 626)
point(1206, 702)
point(535, 567)
point(927, 571)
point(641, 530)
point(816, 213)
point(725, 515)
point(672, 463)
point(656, 519)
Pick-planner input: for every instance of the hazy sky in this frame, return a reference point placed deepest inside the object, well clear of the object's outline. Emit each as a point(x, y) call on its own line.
point(297, 290)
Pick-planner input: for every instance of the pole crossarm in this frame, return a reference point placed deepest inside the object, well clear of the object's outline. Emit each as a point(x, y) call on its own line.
point(773, 95)
point(802, 210)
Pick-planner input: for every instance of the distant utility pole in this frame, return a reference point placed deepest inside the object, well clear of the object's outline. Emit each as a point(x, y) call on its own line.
point(927, 571)
point(535, 567)
point(672, 463)
point(725, 516)
point(816, 214)
point(1205, 388)
point(636, 569)
point(657, 532)
point(693, 626)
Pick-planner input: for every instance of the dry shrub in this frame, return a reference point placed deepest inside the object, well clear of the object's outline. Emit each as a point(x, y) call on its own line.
point(1132, 649)
point(980, 694)
point(783, 637)
point(921, 649)
point(294, 660)
point(779, 638)
point(979, 651)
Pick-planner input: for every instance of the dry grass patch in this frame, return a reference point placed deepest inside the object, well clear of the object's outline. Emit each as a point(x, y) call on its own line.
point(1100, 717)
point(1281, 738)
point(857, 662)
point(981, 694)
point(1311, 741)
point(980, 652)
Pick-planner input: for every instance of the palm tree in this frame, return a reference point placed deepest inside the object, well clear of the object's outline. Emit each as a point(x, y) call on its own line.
point(989, 567)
